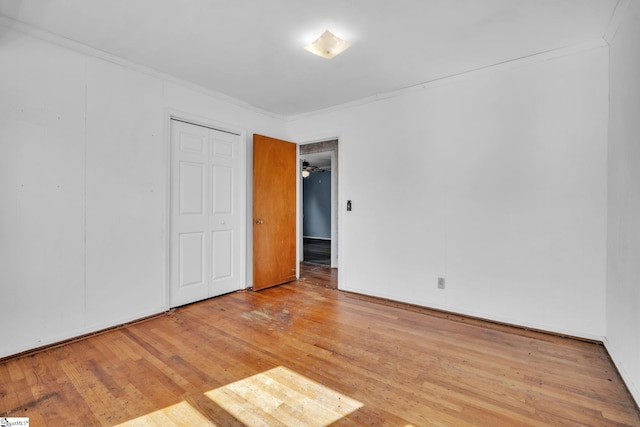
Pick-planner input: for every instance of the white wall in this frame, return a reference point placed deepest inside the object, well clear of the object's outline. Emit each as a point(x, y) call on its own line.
point(316, 205)
point(83, 187)
point(495, 180)
point(623, 261)
point(42, 185)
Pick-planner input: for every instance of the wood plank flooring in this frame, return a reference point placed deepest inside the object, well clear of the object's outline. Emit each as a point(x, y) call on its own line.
point(277, 356)
point(319, 275)
point(317, 251)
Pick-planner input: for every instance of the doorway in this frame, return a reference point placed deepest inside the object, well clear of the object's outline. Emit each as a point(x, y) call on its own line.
point(318, 213)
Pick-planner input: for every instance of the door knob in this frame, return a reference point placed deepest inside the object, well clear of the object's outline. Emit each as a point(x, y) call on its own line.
point(259, 221)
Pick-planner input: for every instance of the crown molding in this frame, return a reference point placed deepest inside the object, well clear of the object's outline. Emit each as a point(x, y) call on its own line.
point(616, 19)
point(83, 49)
point(537, 57)
point(29, 30)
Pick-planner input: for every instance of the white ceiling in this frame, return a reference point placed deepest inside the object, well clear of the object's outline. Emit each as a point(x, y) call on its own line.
point(252, 50)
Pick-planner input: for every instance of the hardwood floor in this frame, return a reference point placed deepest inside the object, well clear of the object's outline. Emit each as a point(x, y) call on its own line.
point(319, 275)
point(317, 251)
point(302, 354)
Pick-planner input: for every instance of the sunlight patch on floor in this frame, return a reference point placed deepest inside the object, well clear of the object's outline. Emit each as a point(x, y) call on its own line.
point(180, 414)
point(280, 396)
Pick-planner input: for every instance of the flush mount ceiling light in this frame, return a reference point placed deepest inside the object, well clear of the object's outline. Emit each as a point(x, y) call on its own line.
point(328, 45)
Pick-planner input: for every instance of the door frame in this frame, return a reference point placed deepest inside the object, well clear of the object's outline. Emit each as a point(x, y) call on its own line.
point(336, 202)
point(172, 114)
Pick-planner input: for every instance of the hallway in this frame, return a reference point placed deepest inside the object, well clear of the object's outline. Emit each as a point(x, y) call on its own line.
point(317, 251)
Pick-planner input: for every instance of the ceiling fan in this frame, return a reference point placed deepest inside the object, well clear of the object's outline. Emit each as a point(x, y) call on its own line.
point(307, 169)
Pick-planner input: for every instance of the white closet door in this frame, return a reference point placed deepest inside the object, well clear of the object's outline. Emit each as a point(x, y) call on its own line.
point(205, 213)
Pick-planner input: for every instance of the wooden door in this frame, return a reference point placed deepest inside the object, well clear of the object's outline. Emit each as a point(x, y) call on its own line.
point(206, 220)
point(274, 212)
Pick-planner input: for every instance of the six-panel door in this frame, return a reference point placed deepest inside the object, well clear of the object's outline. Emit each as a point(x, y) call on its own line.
point(205, 213)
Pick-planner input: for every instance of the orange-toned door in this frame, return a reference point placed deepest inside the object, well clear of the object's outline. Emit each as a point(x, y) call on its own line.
point(274, 212)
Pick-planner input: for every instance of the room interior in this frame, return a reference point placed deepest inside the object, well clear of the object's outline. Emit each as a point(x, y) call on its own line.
point(485, 146)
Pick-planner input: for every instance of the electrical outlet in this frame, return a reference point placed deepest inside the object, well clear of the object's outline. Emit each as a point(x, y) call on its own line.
point(440, 282)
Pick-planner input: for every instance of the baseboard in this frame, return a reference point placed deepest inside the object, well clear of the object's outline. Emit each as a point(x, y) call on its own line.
point(467, 317)
point(579, 335)
point(81, 334)
point(634, 391)
point(627, 379)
